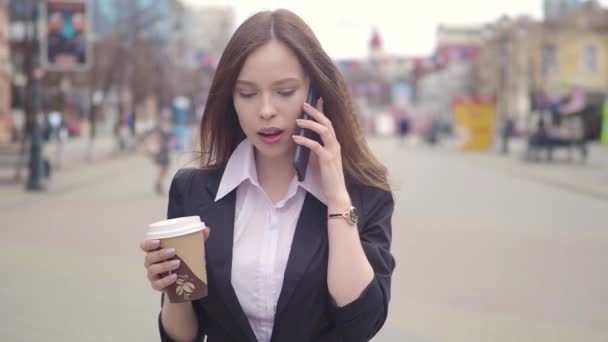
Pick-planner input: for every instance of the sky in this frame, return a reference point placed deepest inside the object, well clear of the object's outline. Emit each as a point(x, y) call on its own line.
point(407, 27)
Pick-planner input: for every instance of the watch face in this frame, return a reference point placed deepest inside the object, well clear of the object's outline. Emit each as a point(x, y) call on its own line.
point(353, 215)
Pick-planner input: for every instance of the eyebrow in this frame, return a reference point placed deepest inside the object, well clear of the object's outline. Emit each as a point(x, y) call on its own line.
point(279, 82)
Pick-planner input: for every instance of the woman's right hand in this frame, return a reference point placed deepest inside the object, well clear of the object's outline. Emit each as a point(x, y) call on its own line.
point(157, 263)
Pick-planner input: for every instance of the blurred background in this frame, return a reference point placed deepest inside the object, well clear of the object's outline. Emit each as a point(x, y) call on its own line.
point(491, 117)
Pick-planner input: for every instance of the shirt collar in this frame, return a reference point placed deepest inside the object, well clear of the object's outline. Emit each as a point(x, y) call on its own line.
point(241, 167)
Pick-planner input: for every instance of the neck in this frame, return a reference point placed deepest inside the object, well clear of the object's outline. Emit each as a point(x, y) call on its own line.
point(274, 175)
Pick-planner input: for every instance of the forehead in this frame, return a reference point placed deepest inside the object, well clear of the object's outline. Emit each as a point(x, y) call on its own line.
point(272, 61)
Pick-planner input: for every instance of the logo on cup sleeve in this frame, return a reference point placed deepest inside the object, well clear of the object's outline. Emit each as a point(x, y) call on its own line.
point(184, 286)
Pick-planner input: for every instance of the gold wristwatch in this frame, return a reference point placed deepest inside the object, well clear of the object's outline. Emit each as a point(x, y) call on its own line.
point(351, 216)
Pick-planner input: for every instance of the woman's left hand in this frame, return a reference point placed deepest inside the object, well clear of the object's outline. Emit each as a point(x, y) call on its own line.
point(328, 156)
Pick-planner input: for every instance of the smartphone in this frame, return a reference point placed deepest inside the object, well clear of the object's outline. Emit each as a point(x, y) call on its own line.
point(300, 161)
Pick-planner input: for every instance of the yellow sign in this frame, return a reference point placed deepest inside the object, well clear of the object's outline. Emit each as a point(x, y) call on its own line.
point(476, 118)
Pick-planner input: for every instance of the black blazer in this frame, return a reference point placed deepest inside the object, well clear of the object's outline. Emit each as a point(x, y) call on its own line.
point(305, 310)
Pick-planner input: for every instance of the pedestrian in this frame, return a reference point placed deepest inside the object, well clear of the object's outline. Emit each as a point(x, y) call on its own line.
point(506, 133)
point(286, 260)
point(164, 142)
point(404, 126)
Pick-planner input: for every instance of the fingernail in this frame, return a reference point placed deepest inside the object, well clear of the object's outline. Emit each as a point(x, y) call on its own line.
point(155, 243)
point(175, 263)
point(307, 105)
point(170, 251)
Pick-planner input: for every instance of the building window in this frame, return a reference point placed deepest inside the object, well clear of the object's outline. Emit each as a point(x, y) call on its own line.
point(590, 60)
point(550, 64)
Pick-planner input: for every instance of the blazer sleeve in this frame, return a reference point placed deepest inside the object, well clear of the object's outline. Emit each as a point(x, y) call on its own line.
point(361, 319)
point(177, 193)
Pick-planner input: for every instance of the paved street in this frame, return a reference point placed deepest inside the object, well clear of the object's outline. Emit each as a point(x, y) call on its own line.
point(485, 253)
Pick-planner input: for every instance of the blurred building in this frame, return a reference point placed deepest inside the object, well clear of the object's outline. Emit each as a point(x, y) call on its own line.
point(452, 73)
point(557, 8)
point(554, 55)
point(130, 44)
point(207, 31)
point(522, 58)
point(140, 38)
point(504, 67)
point(153, 18)
point(437, 90)
point(5, 84)
point(571, 50)
point(572, 53)
point(457, 43)
point(381, 84)
point(204, 35)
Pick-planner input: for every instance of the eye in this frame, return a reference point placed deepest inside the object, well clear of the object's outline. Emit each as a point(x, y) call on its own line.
point(286, 93)
point(247, 95)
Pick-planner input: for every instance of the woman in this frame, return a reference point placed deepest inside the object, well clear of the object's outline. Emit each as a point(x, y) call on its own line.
point(286, 261)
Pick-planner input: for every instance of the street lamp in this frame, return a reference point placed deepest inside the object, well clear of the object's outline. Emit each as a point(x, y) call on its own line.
point(37, 175)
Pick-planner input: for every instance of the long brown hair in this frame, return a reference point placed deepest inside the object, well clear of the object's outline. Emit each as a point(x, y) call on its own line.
point(220, 131)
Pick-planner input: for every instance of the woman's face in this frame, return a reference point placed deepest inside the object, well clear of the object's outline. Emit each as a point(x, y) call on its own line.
point(268, 97)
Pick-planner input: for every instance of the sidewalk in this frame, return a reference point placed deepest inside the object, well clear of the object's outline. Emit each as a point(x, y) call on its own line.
point(588, 177)
point(78, 151)
point(76, 155)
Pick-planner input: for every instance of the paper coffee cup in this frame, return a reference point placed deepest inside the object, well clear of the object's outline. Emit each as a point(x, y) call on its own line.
point(185, 234)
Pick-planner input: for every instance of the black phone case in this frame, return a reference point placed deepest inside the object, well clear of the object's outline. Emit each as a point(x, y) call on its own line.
point(302, 155)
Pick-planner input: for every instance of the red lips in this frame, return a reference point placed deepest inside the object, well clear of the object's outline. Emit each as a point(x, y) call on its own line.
point(270, 135)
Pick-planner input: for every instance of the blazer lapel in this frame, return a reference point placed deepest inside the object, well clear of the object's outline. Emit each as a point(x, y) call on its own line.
point(311, 231)
point(219, 216)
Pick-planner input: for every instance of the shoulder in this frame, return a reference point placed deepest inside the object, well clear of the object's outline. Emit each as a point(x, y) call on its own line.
point(367, 193)
point(186, 174)
point(192, 175)
point(187, 179)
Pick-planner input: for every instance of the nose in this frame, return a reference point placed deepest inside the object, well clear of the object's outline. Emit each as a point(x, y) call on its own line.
point(268, 110)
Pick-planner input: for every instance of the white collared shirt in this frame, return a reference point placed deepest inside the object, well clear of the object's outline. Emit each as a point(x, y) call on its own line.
point(263, 233)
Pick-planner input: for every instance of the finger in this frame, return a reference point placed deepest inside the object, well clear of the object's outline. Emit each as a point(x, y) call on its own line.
point(206, 233)
point(325, 133)
point(155, 270)
point(161, 284)
point(317, 115)
point(152, 277)
point(311, 144)
point(319, 105)
point(149, 245)
point(159, 256)
point(314, 161)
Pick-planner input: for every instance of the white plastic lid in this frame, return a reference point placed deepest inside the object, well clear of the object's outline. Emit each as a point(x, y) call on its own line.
point(174, 227)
